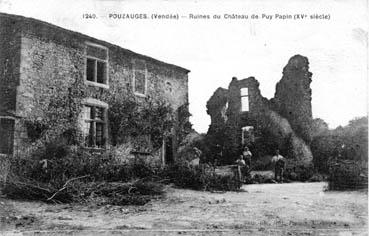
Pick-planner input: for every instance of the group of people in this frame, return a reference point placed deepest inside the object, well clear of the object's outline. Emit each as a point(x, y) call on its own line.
point(244, 165)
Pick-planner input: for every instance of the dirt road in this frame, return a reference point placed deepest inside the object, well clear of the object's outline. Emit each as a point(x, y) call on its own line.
point(268, 209)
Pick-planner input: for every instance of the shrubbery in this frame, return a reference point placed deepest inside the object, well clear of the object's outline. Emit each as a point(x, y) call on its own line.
point(128, 117)
point(347, 175)
point(58, 163)
point(61, 173)
point(342, 153)
point(299, 173)
point(201, 177)
point(343, 143)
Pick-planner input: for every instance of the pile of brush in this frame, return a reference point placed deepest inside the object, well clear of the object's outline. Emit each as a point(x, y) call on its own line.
point(82, 189)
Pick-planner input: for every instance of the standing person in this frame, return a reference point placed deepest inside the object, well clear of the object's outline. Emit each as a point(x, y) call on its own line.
point(240, 162)
point(197, 155)
point(247, 157)
point(279, 165)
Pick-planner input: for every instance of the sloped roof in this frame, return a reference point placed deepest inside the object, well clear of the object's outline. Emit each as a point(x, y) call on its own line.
point(53, 32)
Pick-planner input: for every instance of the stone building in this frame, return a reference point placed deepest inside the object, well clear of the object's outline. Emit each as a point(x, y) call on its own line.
point(240, 115)
point(39, 60)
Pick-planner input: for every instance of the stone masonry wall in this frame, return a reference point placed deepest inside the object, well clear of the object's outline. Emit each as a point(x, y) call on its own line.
point(238, 119)
point(271, 129)
point(216, 108)
point(52, 59)
point(9, 71)
point(9, 64)
point(293, 96)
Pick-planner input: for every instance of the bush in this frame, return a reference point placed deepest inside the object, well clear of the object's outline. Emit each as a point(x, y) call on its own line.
point(347, 175)
point(201, 177)
point(129, 117)
point(299, 173)
point(345, 143)
point(262, 164)
point(324, 148)
point(317, 177)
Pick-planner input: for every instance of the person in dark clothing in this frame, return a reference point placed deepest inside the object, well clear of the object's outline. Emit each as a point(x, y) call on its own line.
point(246, 155)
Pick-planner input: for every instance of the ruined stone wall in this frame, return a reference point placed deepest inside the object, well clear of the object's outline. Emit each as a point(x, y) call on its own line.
point(238, 118)
point(272, 129)
point(216, 107)
point(293, 96)
point(226, 129)
point(258, 105)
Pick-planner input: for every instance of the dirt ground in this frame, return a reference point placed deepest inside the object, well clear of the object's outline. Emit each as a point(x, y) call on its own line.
point(265, 209)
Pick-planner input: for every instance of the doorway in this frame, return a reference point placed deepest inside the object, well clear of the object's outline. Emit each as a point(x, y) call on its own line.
point(168, 156)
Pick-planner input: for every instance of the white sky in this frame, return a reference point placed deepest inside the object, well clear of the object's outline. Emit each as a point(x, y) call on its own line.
point(217, 50)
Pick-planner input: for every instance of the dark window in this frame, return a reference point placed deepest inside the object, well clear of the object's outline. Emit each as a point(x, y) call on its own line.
point(100, 72)
point(6, 135)
point(99, 113)
point(95, 125)
point(96, 64)
point(8, 94)
point(169, 158)
point(90, 69)
point(99, 134)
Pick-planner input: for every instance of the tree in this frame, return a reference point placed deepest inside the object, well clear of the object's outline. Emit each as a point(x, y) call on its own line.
point(348, 143)
point(319, 127)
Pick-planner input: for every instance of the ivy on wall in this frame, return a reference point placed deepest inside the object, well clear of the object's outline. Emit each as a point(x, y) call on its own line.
point(130, 117)
point(57, 115)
